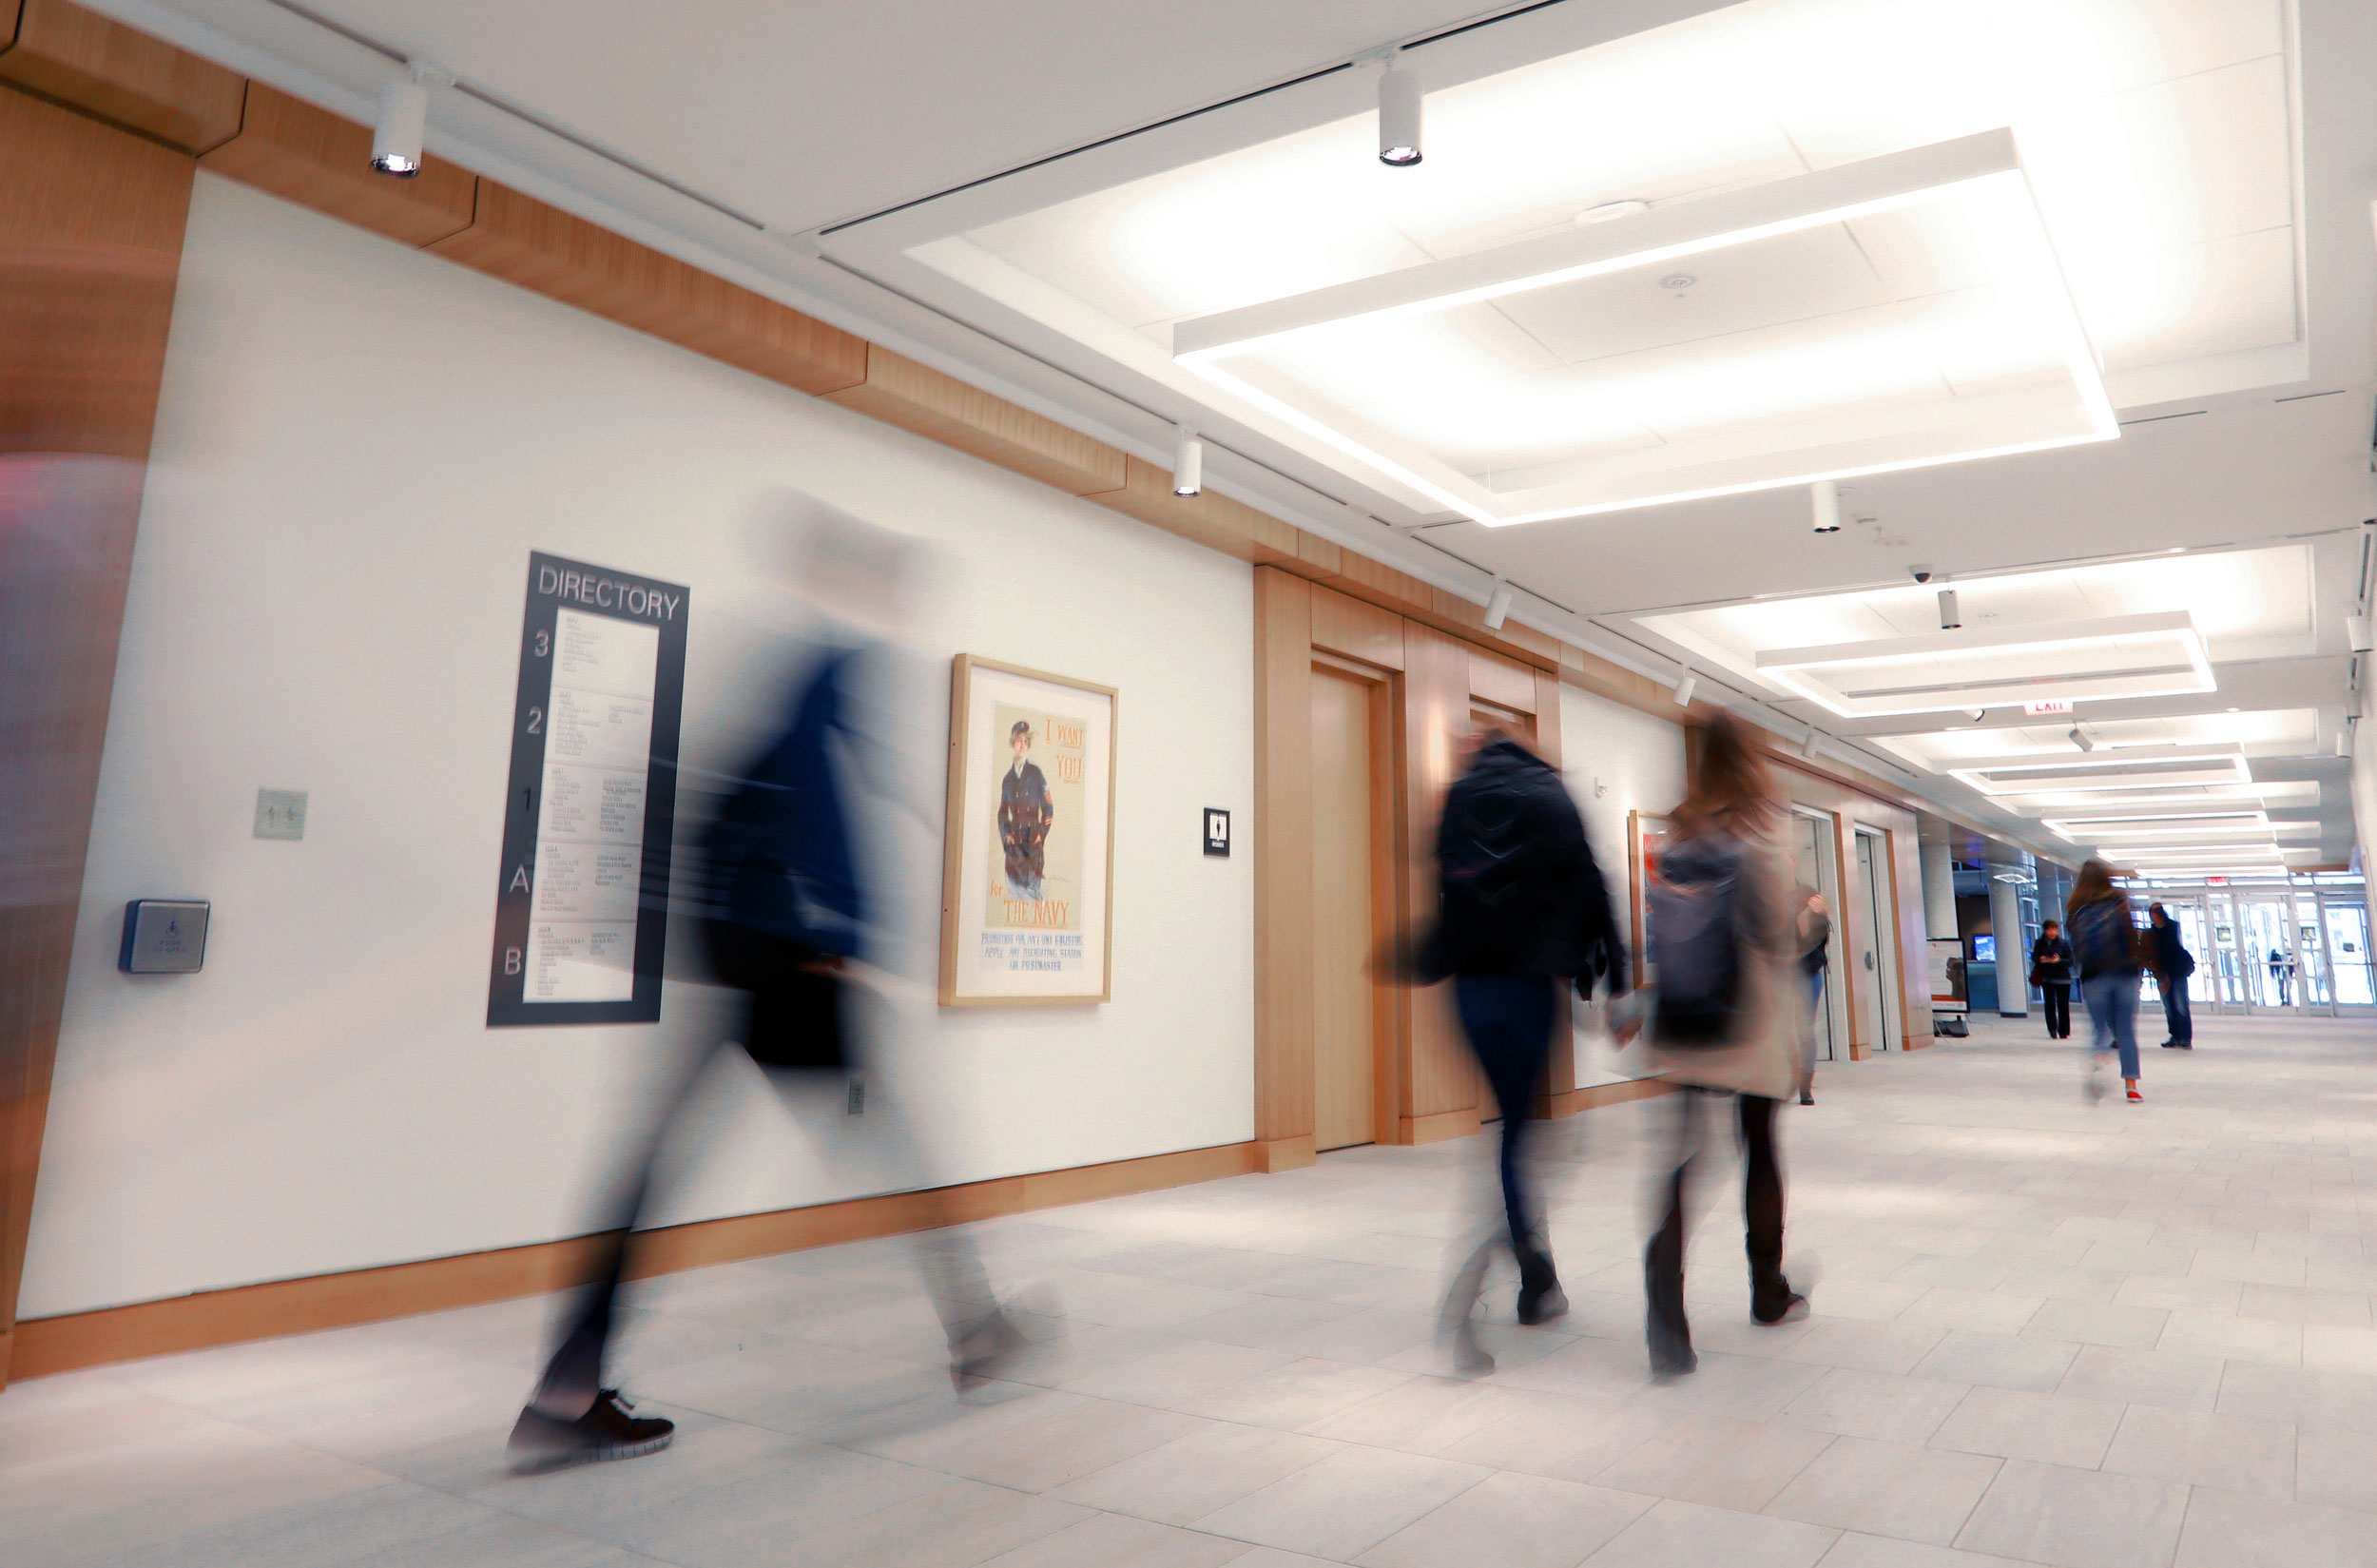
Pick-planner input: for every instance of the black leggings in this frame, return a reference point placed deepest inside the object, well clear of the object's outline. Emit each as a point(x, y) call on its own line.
point(2058, 994)
point(1762, 1211)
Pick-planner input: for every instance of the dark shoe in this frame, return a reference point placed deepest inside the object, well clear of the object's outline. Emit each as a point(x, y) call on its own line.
point(1793, 1309)
point(2170, 1045)
point(605, 1432)
point(2187, 1045)
point(1805, 1098)
point(1671, 1353)
point(1543, 1305)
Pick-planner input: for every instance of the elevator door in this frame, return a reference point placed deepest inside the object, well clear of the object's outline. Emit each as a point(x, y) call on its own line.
point(1344, 1087)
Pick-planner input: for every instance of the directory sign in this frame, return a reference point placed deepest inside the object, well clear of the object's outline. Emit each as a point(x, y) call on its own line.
point(582, 902)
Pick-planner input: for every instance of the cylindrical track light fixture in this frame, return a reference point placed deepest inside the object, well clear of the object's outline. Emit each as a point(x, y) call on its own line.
point(1949, 618)
point(403, 119)
point(2080, 738)
point(1826, 496)
point(1497, 608)
point(1685, 687)
point(1187, 464)
point(1399, 114)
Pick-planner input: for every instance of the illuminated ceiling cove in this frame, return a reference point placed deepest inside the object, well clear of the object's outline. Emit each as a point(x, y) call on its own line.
point(1850, 236)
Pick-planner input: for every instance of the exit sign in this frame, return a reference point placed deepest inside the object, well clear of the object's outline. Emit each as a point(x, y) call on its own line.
point(2049, 708)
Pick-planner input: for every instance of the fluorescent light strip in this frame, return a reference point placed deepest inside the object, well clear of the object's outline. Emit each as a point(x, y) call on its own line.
point(1910, 178)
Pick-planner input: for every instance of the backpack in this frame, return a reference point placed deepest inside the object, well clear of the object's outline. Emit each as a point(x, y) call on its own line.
point(2103, 939)
point(1697, 901)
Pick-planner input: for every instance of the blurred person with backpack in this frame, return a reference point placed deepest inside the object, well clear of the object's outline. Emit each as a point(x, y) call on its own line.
point(2111, 954)
point(1522, 910)
point(2173, 964)
point(1732, 1005)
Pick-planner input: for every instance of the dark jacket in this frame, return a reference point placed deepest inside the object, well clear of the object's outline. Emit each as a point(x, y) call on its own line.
point(2171, 955)
point(1518, 891)
point(2050, 961)
point(2105, 939)
point(779, 852)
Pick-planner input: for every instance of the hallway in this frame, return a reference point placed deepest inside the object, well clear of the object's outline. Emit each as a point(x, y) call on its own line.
point(2044, 1332)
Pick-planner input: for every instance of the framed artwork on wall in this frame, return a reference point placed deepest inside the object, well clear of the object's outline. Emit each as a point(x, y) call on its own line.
point(1646, 836)
point(1028, 866)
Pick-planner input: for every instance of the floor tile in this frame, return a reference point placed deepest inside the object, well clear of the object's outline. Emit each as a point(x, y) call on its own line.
point(1561, 1437)
point(1190, 1477)
point(1718, 1461)
point(2017, 1424)
point(1874, 1404)
point(2332, 1466)
point(1998, 1361)
point(1888, 1489)
point(1425, 1415)
point(2077, 1519)
point(1520, 1521)
point(2144, 1377)
point(1342, 1506)
point(2234, 1453)
point(1296, 1395)
point(2099, 1323)
point(1856, 1551)
point(2229, 1530)
point(1113, 1540)
point(1672, 1534)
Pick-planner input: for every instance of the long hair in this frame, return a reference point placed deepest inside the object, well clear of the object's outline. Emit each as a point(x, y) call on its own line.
point(2093, 885)
point(1730, 792)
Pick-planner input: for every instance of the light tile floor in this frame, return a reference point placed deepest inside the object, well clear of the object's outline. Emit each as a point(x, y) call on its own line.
point(2044, 1332)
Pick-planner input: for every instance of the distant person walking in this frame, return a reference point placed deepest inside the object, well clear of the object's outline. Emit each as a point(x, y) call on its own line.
point(2281, 975)
point(2173, 964)
point(2051, 972)
point(1815, 940)
point(1731, 1008)
point(2105, 941)
point(1522, 910)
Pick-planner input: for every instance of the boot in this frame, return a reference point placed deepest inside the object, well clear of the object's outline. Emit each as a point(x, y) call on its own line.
point(1540, 1298)
point(1666, 1330)
point(1771, 1299)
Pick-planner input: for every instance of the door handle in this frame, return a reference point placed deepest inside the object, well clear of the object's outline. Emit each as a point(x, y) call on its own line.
point(1869, 960)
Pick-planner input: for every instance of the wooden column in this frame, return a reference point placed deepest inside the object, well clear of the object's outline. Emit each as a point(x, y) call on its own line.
point(1283, 870)
point(90, 242)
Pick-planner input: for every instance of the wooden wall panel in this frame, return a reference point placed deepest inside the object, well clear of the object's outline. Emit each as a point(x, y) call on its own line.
point(1282, 874)
point(1211, 518)
point(90, 240)
point(106, 68)
point(1505, 683)
point(312, 157)
point(541, 248)
point(1357, 630)
point(901, 391)
point(1558, 1096)
point(1441, 1099)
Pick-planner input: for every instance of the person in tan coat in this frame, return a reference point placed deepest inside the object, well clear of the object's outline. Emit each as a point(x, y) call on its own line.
point(1741, 1033)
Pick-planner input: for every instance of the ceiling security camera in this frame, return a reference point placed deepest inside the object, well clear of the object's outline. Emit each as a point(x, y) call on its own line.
point(1923, 573)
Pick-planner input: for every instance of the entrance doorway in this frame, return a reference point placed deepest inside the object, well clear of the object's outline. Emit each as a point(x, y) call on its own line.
point(1876, 976)
point(1349, 882)
point(1815, 862)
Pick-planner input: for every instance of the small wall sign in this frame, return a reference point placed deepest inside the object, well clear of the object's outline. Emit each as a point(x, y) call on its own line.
point(1216, 831)
point(163, 936)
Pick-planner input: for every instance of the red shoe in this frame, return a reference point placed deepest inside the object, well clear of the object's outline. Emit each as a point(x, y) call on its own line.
point(2136, 1097)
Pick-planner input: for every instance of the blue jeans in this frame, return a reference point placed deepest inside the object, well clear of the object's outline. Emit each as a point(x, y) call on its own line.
point(2113, 1009)
point(2176, 1011)
point(1508, 1019)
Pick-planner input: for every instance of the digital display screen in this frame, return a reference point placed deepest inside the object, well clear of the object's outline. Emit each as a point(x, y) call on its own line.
point(1984, 949)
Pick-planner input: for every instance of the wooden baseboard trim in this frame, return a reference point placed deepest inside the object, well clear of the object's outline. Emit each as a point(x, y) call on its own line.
point(1433, 1129)
point(1276, 1154)
point(1593, 1096)
point(210, 1318)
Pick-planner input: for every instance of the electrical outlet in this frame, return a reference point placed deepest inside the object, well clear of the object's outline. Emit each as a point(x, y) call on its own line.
point(858, 1097)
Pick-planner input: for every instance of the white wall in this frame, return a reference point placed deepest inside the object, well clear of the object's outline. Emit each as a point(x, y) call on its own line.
point(1616, 760)
point(358, 445)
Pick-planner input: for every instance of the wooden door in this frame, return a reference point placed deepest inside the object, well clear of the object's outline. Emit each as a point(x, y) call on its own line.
point(1344, 1062)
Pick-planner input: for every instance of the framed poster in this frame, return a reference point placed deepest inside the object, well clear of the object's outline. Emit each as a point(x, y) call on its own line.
point(1947, 975)
point(1646, 836)
point(582, 894)
point(1028, 870)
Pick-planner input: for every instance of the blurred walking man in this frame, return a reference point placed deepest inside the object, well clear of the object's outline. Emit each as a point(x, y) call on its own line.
point(1522, 910)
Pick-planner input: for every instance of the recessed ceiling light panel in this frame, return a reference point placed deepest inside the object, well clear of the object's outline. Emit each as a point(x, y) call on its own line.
point(2140, 768)
point(1559, 376)
point(2122, 656)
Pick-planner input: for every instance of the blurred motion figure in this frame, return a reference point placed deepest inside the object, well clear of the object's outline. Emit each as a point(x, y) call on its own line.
point(2106, 944)
point(1732, 1007)
point(788, 920)
point(1521, 909)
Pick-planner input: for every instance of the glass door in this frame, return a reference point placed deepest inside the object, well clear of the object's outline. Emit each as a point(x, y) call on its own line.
point(2227, 985)
point(2346, 921)
point(2195, 934)
point(2266, 942)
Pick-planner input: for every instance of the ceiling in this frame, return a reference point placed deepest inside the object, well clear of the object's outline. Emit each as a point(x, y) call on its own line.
point(1033, 196)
